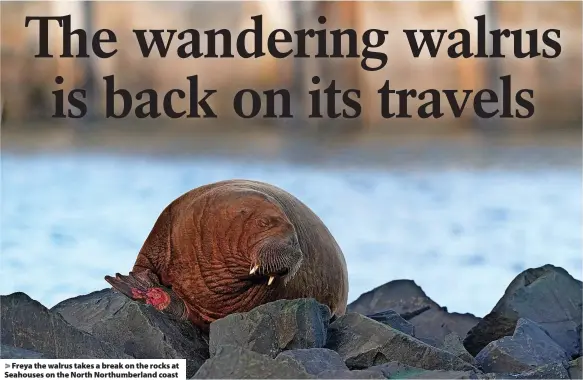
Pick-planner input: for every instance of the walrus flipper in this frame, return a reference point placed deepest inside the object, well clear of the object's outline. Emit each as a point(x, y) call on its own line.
point(145, 287)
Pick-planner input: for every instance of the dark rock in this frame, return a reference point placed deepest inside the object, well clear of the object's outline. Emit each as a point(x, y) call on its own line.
point(393, 319)
point(547, 295)
point(274, 327)
point(142, 331)
point(347, 374)
point(548, 371)
point(454, 344)
point(443, 375)
point(574, 368)
point(9, 352)
point(579, 338)
point(314, 360)
point(28, 324)
point(529, 347)
point(405, 296)
point(230, 362)
point(396, 370)
point(84, 311)
point(363, 343)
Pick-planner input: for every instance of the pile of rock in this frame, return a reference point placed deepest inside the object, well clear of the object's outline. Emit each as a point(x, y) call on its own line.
point(534, 332)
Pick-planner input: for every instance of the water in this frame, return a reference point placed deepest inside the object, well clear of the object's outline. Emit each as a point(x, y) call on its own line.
point(461, 233)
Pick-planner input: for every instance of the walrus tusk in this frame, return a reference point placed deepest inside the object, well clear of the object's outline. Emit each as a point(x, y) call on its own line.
point(254, 269)
point(271, 278)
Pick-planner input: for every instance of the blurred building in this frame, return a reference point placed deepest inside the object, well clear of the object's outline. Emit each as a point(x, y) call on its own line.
point(27, 82)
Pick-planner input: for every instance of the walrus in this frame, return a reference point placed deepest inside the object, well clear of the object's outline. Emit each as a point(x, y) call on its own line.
point(231, 246)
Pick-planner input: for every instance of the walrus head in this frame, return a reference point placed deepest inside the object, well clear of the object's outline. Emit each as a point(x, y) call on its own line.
point(265, 237)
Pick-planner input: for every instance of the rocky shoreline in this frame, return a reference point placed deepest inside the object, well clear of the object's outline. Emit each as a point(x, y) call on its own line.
point(394, 331)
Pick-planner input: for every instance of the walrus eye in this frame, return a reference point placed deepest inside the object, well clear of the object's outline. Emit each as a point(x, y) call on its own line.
point(263, 222)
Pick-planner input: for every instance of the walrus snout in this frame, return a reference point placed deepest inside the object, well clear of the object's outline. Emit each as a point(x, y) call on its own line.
point(292, 241)
point(278, 258)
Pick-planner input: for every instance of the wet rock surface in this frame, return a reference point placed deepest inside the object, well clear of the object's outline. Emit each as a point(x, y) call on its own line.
point(406, 335)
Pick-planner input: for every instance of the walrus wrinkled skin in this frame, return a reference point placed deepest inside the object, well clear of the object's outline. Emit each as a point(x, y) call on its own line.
point(233, 245)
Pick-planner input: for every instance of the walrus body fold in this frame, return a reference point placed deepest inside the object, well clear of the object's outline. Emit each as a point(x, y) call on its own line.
point(233, 245)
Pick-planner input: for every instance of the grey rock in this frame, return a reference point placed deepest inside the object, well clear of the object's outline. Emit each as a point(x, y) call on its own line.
point(274, 327)
point(363, 343)
point(443, 375)
point(314, 360)
point(579, 340)
point(347, 374)
point(454, 344)
point(396, 370)
point(529, 347)
point(405, 296)
point(574, 368)
point(394, 319)
point(548, 371)
point(231, 362)
point(142, 331)
point(84, 311)
point(9, 352)
point(29, 325)
point(547, 295)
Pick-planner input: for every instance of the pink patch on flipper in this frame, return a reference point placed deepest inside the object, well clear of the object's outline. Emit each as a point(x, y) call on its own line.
point(138, 294)
point(158, 298)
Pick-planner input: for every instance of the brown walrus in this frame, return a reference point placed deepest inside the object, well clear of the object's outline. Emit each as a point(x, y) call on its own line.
point(233, 245)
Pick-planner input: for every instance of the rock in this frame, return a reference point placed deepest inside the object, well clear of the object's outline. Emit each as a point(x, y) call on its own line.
point(579, 337)
point(274, 327)
point(28, 324)
point(443, 375)
point(549, 371)
point(396, 370)
point(84, 311)
point(405, 296)
point(393, 319)
point(314, 360)
point(142, 331)
point(362, 343)
point(231, 362)
point(574, 368)
point(529, 347)
point(547, 295)
point(347, 374)
point(9, 352)
point(454, 344)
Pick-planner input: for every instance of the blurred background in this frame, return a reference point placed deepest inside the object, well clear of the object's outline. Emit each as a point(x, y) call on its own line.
point(461, 206)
